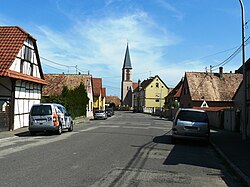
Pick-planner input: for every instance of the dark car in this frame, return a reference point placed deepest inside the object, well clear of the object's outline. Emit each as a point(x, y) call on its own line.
point(191, 123)
point(110, 112)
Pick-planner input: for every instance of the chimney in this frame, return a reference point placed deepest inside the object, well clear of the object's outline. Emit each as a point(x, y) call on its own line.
point(221, 72)
point(211, 71)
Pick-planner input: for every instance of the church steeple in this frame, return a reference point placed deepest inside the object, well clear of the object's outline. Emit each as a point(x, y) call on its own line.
point(127, 61)
point(126, 84)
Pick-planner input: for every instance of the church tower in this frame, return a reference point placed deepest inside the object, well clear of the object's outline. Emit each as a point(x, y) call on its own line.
point(126, 85)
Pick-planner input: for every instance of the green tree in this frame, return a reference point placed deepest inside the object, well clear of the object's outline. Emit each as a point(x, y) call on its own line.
point(74, 100)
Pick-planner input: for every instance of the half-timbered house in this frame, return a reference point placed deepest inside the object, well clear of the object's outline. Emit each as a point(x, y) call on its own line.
point(21, 77)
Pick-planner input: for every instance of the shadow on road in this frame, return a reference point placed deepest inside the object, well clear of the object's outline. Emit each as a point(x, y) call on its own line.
point(164, 139)
point(27, 134)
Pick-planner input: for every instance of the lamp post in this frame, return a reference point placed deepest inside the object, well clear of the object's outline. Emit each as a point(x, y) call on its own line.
point(244, 126)
point(160, 100)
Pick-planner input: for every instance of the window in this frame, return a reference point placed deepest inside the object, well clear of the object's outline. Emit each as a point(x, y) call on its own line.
point(157, 100)
point(157, 85)
point(127, 75)
point(31, 69)
point(41, 110)
point(27, 53)
point(21, 66)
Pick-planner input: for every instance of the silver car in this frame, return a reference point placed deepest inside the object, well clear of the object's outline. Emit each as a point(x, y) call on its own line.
point(191, 123)
point(49, 117)
point(100, 114)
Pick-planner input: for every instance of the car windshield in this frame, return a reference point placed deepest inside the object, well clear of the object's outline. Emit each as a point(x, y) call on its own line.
point(41, 110)
point(193, 116)
point(99, 111)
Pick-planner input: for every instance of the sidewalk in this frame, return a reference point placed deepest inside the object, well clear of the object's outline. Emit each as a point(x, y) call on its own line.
point(234, 151)
point(7, 134)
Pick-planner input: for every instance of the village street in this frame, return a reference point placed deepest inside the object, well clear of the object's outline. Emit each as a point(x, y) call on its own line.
point(128, 149)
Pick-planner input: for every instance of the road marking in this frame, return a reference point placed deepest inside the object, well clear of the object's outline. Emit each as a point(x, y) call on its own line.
point(146, 128)
point(102, 126)
point(27, 146)
point(88, 129)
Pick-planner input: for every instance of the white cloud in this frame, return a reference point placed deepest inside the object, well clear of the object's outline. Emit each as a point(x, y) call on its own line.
point(99, 45)
point(176, 13)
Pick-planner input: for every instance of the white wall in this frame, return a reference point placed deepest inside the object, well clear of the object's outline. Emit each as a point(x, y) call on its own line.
point(16, 66)
point(26, 94)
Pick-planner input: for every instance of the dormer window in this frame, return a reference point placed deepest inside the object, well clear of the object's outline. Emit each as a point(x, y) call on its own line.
point(27, 53)
point(31, 69)
point(21, 66)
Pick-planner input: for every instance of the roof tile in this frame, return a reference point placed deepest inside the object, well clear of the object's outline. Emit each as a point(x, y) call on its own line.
point(202, 86)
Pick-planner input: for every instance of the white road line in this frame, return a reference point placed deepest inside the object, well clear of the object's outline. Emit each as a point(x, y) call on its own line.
point(146, 128)
point(42, 142)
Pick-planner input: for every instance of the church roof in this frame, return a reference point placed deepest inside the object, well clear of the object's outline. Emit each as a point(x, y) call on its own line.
point(127, 61)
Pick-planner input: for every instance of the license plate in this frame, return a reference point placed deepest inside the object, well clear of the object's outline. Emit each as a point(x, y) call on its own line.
point(40, 121)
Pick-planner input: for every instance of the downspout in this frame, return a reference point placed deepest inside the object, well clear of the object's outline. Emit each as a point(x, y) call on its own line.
point(12, 104)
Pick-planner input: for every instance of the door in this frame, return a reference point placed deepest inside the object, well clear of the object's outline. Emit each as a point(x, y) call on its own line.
point(4, 114)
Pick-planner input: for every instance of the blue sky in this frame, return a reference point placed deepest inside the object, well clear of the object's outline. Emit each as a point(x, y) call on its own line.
point(165, 37)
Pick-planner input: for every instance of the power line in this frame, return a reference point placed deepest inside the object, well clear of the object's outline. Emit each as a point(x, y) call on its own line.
point(53, 67)
point(56, 63)
point(227, 60)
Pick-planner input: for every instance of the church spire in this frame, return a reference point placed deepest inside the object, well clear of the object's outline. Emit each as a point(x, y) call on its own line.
point(127, 61)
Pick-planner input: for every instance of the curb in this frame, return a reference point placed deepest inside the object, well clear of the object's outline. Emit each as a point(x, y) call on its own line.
point(237, 171)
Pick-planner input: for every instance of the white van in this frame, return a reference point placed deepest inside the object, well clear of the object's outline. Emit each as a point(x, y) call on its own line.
point(49, 117)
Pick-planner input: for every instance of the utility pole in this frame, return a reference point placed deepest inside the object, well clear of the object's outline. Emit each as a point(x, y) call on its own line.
point(244, 111)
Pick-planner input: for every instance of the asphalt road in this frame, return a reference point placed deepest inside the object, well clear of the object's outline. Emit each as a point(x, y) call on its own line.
point(127, 149)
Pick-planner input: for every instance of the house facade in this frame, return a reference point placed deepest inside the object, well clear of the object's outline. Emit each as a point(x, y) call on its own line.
point(149, 95)
point(99, 94)
point(21, 77)
point(238, 98)
point(172, 100)
point(202, 89)
point(56, 82)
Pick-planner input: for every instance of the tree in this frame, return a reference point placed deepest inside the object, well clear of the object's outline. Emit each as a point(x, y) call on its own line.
point(74, 100)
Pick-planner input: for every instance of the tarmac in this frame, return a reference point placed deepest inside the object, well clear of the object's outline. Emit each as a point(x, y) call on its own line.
point(229, 145)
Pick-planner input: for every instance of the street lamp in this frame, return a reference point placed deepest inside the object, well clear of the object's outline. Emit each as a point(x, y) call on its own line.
point(244, 127)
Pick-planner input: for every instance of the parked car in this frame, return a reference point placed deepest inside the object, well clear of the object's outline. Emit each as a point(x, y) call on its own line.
point(191, 123)
point(110, 112)
point(100, 114)
point(45, 117)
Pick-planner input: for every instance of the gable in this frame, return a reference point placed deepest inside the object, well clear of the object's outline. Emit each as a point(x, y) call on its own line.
point(19, 56)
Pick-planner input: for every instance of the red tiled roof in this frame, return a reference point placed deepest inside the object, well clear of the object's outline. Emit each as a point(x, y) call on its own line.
point(213, 109)
point(103, 92)
point(178, 93)
point(56, 82)
point(134, 85)
point(17, 75)
point(204, 87)
point(12, 39)
point(113, 99)
point(97, 86)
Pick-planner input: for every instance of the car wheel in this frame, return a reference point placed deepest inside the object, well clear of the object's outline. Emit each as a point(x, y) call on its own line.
point(70, 129)
point(32, 133)
point(59, 130)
